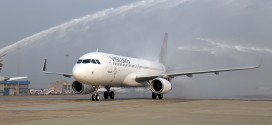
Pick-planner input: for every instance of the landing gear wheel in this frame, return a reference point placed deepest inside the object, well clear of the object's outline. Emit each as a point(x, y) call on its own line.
point(112, 95)
point(160, 96)
point(106, 95)
point(93, 97)
point(154, 95)
point(97, 97)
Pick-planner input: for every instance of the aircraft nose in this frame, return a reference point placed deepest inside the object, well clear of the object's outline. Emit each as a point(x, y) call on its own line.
point(78, 73)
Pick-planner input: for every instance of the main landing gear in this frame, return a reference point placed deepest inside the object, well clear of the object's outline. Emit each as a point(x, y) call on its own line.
point(154, 96)
point(108, 94)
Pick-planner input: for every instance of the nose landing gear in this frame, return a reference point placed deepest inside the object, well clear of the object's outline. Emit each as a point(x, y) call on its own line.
point(95, 96)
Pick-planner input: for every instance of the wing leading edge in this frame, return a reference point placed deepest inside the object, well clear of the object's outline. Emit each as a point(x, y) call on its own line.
point(190, 74)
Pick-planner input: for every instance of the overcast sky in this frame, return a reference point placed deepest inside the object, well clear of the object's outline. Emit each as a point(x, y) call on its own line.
point(203, 35)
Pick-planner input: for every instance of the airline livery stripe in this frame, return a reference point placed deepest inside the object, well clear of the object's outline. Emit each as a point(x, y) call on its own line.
point(1, 66)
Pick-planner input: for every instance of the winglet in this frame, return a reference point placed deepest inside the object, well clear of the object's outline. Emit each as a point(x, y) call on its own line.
point(44, 65)
point(260, 64)
point(43, 70)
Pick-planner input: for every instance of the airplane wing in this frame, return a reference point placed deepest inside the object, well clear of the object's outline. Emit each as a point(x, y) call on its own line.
point(16, 78)
point(2, 56)
point(44, 71)
point(2, 78)
point(190, 74)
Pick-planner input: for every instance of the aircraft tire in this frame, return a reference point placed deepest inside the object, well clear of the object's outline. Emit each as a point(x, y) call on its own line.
point(93, 97)
point(154, 95)
point(97, 97)
point(106, 95)
point(112, 95)
point(160, 96)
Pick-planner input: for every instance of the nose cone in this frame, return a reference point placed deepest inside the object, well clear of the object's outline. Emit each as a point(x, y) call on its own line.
point(80, 73)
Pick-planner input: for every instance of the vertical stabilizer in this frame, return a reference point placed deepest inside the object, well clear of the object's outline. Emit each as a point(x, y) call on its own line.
point(162, 58)
point(2, 55)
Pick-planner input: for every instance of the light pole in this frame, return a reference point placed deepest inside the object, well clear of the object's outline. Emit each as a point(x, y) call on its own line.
point(67, 59)
point(18, 71)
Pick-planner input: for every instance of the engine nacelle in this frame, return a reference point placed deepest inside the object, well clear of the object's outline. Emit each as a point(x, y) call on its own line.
point(160, 86)
point(80, 88)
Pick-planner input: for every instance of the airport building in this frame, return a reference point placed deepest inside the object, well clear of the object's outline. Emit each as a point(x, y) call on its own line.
point(14, 87)
point(61, 87)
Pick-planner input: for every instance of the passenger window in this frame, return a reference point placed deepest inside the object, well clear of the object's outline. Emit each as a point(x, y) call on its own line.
point(86, 61)
point(93, 61)
point(98, 62)
point(79, 61)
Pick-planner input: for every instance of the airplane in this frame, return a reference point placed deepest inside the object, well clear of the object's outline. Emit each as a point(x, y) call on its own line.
point(2, 78)
point(97, 69)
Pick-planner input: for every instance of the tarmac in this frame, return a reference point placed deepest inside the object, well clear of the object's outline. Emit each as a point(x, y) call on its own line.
point(79, 110)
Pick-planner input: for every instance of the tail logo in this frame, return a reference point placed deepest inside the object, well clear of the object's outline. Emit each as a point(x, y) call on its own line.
point(1, 65)
point(1, 61)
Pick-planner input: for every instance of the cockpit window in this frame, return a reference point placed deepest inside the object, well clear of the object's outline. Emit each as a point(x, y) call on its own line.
point(98, 62)
point(86, 61)
point(93, 61)
point(79, 61)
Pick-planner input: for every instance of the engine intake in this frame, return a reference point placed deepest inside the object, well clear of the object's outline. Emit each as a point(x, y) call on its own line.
point(160, 86)
point(80, 88)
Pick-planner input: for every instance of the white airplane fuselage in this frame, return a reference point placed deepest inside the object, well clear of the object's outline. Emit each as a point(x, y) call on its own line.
point(113, 70)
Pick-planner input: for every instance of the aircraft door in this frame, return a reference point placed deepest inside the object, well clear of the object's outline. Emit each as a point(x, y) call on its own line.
point(109, 66)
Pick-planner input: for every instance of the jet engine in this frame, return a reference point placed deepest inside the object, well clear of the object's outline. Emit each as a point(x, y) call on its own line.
point(80, 88)
point(160, 86)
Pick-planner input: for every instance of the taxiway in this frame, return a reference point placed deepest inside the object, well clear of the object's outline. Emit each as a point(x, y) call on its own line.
point(78, 109)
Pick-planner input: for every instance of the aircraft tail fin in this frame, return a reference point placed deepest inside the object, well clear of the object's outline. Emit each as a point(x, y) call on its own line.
point(2, 55)
point(163, 53)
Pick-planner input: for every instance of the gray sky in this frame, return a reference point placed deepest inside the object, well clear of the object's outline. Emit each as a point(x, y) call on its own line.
point(203, 34)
